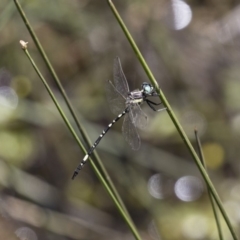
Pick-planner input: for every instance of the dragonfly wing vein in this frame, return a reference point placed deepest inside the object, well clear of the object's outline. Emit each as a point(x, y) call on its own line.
point(120, 80)
point(139, 118)
point(130, 132)
point(115, 100)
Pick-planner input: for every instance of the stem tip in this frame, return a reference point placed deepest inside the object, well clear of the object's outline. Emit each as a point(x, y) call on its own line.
point(23, 44)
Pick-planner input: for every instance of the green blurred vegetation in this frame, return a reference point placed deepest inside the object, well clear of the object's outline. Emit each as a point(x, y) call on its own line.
point(196, 67)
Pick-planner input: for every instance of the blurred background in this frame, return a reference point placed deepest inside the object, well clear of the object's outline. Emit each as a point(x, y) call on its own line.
point(193, 50)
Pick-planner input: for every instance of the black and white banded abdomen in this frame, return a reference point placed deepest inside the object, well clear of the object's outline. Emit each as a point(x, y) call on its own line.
point(89, 153)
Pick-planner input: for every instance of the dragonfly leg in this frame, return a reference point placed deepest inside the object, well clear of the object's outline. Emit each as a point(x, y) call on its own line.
point(156, 110)
point(155, 94)
point(154, 102)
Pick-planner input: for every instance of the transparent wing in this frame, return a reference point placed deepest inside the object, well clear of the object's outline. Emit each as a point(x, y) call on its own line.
point(115, 100)
point(120, 81)
point(130, 132)
point(139, 118)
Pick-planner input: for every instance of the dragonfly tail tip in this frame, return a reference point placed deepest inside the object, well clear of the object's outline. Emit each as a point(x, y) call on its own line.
point(74, 175)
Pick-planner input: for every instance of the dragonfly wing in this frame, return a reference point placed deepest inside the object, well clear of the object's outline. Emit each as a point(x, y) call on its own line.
point(120, 80)
point(139, 118)
point(130, 132)
point(115, 100)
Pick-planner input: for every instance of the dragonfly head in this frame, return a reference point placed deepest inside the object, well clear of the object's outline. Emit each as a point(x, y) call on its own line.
point(147, 88)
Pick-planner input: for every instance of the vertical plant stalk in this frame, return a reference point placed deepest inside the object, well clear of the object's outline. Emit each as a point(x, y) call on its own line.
point(215, 213)
point(172, 116)
point(119, 207)
point(69, 105)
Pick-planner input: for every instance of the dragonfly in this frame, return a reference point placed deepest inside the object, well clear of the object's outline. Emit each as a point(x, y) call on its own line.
point(127, 104)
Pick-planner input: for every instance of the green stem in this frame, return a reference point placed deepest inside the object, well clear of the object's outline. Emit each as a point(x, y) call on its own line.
point(71, 109)
point(119, 207)
point(202, 158)
point(173, 117)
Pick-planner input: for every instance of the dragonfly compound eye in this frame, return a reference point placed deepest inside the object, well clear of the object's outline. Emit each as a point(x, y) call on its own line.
point(147, 88)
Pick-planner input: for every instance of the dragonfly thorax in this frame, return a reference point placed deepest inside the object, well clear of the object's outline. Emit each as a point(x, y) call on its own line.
point(147, 88)
point(134, 97)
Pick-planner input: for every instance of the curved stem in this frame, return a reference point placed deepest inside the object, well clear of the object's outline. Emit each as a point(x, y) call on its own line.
point(215, 213)
point(119, 207)
point(70, 107)
point(173, 117)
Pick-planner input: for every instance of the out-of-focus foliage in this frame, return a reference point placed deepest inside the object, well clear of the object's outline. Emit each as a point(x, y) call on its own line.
point(193, 49)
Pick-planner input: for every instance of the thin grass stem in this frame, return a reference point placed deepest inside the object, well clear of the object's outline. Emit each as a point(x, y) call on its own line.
point(173, 117)
point(69, 105)
point(119, 207)
point(215, 213)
